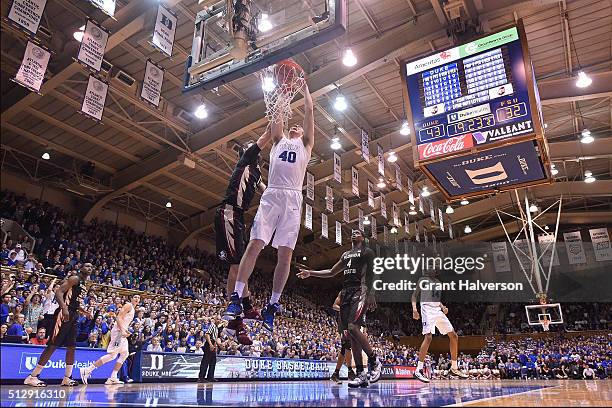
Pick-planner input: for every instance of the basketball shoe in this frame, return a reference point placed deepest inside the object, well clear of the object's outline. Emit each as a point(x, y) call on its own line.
point(421, 376)
point(360, 381)
point(234, 309)
point(268, 316)
point(374, 369)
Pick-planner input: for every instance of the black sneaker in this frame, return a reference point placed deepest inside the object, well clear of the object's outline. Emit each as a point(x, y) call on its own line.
point(351, 375)
point(419, 375)
point(360, 381)
point(335, 378)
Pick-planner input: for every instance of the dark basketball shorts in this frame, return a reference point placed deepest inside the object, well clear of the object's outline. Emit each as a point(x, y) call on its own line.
point(345, 339)
point(64, 332)
point(229, 234)
point(352, 307)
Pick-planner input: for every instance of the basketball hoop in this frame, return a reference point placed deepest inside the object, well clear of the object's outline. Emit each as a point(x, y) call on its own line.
point(545, 324)
point(280, 83)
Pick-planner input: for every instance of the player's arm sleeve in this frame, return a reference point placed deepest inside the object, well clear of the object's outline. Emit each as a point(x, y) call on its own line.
point(250, 155)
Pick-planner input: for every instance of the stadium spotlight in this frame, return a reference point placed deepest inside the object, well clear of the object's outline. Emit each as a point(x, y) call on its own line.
point(201, 112)
point(464, 201)
point(392, 158)
point(366, 221)
point(264, 23)
point(381, 183)
point(78, 35)
point(412, 210)
point(467, 229)
point(393, 230)
point(168, 204)
point(349, 58)
point(588, 177)
point(533, 208)
point(586, 137)
point(449, 210)
point(304, 258)
point(425, 192)
point(553, 169)
point(340, 103)
point(583, 80)
point(335, 143)
point(405, 129)
point(46, 156)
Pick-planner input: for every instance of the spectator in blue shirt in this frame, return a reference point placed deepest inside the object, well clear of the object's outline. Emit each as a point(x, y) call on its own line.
point(4, 308)
point(17, 328)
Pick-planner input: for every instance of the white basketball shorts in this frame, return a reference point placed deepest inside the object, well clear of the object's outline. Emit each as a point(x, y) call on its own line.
point(118, 343)
point(279, 214)
point(433, 317)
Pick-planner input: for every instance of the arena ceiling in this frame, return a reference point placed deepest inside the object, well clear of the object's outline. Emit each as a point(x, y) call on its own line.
point(138, 149)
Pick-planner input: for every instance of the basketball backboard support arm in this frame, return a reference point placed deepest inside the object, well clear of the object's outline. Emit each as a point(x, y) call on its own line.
point(244, 50)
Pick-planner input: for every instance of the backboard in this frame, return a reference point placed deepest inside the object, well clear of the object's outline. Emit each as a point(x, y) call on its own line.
point(235, 38)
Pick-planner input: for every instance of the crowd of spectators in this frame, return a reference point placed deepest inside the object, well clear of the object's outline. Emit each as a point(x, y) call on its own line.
point(184, 294)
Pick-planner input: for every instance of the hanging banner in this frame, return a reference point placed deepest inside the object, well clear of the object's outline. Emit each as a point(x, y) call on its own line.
point(360, 215)
point(381, 161)
point(374, 227)
point(152, 83)
point(421, 209)
point(395, 214)
point(33, 67)
point(523, 252)
point(165, 29)
point(450, 231)
point(345, 211)
point(601, 244)
point(548, 248)
point(426, 238)
point(324, 226)
point(27, 14)
point(107, 6)
point(406, 223)
point(410, 192)
point(308, 217)
point(93, 46)
point(441, 218)
point(501, 262)
point(385, 235)
point(432, 211)
point(310, 186)
point(355, 181)
point(398, 178)
point(365, 146)
point(95, 98)
point(338, 233)
point(383, 206)
point(574, 248)
point(329, 199)
point(417, 229)
point(337, 168)
point(370, 194)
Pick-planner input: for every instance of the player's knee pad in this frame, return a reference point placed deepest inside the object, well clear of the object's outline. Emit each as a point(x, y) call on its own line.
point(123, 356)
point(107, 357)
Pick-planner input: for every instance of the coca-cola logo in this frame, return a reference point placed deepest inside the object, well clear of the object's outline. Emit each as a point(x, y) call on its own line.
point(443, 147)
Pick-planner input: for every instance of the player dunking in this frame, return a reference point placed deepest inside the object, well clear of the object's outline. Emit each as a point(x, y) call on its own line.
point(118, 347)
point(69, 296)
point(434, 315)
point(230, 228)
point(279, 211)
point(344, 356)
point(357, 296)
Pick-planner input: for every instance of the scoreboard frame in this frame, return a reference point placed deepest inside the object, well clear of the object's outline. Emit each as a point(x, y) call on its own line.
point(537, 135)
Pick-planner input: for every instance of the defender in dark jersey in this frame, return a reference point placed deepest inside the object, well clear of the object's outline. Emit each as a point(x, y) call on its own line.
point(230, 228)
point(357, 295)
point(69, 296)
point(344, 356)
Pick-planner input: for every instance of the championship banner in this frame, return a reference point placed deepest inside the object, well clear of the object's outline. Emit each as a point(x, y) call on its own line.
point(601, 244)
point(383, 206)
point(441, 217)
point(93, 46)
point(329, 199)
point(95, 98)
point(33, 67)
point(381, 161)
point(345, 211)
point(395, 214)
point(410, 192)
point(450, 231)
point(27, 14)
point(355, 181)
point(523, 253)
point(406, 223)
point(574, 248)
point(421, 209)
point(308, 217)
point(337, 168)
point(324, 226)
point(432, 211)
point(398, 178)
point(385, 235)
point(365, 146)
point(374, 231)
point(360, 215)
point(310, 186)
point(501, 262)
point(417, 230)
point(370, 194)
point(165, 29)
point(549, 250)
point(338, 233)
point(152, 83)
point(107, 6)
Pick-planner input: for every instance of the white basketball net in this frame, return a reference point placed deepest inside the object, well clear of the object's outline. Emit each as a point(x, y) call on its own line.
point(280, 83)
point(545, 324)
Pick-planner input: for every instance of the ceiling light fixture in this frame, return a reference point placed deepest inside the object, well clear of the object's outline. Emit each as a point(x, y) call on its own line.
point(78, 35)
point(405, 129)
point(264, 23)
point(349, 58)
point(583, 80)
point(464, 201)
point(201, 112)
point(586, 137)
point(381, 183)
point(46, 156)
point(449, 210)
point(168, 204)
point(467, 229)
point(392, 158)
point(588, 177)
point(340, 103)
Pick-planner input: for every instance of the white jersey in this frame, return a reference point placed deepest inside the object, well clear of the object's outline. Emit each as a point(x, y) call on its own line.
point(126, 321)
point(119, 344)
point(288, 161)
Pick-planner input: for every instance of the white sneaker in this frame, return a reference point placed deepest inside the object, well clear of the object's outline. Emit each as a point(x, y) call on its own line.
point(420, 376)
point(113, 381)
point(360, 381)
point(374, 371)
point(457, 373)
point(34, 381)
point(85, 373)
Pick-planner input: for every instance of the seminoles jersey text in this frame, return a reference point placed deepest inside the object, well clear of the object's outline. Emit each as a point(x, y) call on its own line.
point(355, 267)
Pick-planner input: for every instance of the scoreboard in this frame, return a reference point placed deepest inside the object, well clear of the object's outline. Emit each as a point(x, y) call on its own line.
point(478, 96)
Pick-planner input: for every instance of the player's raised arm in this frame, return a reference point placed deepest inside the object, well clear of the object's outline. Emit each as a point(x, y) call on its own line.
point(265, 138)
point(308, 119)
point(276, 131)
point(325, 273)
point(415, 297)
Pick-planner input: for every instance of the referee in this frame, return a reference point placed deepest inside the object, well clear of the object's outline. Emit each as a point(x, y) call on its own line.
point(209, 360)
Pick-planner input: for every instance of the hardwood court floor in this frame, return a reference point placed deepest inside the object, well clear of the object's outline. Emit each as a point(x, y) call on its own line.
point(319, 393)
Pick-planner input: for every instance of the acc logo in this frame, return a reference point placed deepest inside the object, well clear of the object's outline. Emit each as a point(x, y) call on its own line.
point(157, 361)
point(471, 48)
